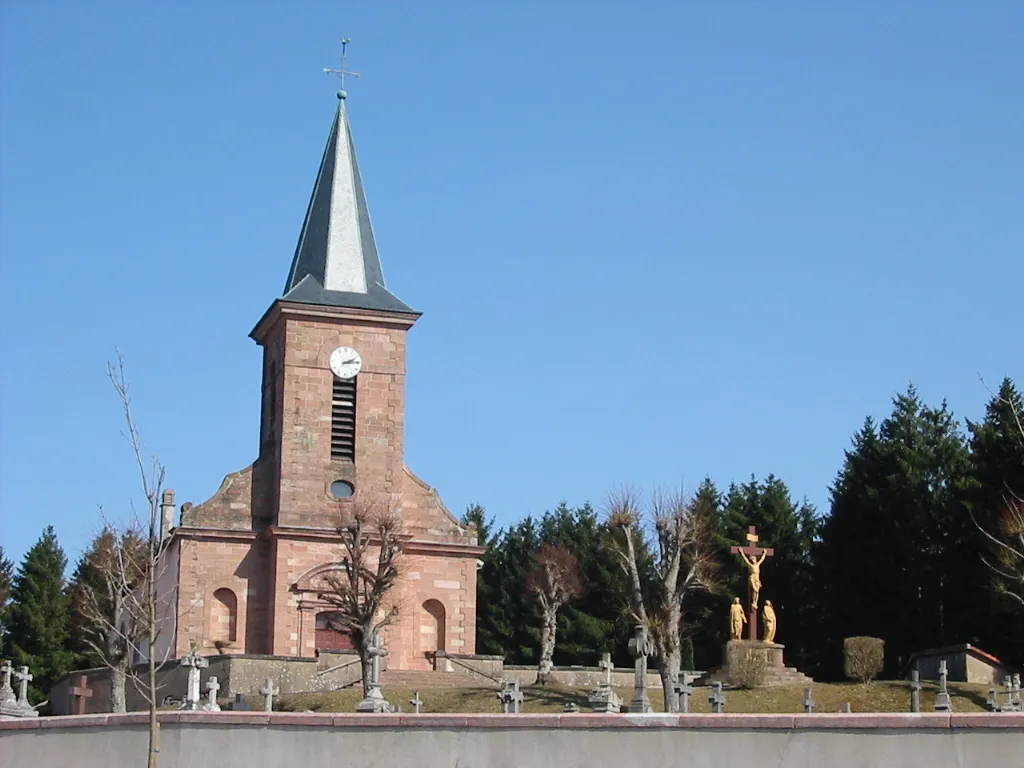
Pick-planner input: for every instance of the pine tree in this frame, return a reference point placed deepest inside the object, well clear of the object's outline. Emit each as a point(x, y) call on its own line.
point(6, 574)
point(997, 467)
point(892, 546)
point(38, 615)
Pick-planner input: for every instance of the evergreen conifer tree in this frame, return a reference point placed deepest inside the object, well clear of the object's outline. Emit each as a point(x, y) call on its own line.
point(6, 574)
point(893, 542)
point(37, 628)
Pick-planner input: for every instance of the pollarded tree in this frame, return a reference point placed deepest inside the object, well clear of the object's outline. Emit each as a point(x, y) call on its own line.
point(682, 563)
point(555, 580)
point(359, 586)
point(37, 629)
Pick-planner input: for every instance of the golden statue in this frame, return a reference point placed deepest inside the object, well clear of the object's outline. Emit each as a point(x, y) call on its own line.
point(770, 623)
point(737, 618)
point(754, 564)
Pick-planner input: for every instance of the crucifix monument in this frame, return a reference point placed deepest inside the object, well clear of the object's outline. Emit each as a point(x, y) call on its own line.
point(753, 557)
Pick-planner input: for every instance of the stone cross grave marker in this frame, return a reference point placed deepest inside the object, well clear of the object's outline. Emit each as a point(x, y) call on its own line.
point(374, 701)
point(80, 691)
point(605, 664)
point(757, 556)
point(717, 699)
point(24, 678)
point(195, 664)
point(640, 647)
point(942, 700)
point(845, 709)
point(7, 696)
point(511, 698)
point(683, 691)
point(212, 686)
point(1015, 700)
point(993, 701)
point(416, 702)
point(915, 690)
point(269, 691)
point(808, 700)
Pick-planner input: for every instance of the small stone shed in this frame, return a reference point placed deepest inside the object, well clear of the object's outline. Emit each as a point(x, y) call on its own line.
point(964, 663)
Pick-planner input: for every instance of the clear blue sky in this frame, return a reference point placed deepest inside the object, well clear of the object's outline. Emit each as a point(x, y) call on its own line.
point(652, 241)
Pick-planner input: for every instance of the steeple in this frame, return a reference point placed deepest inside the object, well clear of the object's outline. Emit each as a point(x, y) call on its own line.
point(336, 262)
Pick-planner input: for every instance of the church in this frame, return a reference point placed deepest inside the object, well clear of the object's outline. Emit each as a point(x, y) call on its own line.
point(242, 566)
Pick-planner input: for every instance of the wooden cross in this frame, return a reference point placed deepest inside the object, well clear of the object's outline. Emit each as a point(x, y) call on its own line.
point(80, 691)
point(757, 556)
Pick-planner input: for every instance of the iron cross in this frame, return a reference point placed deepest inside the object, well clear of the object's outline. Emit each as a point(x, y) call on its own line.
point(341, 71)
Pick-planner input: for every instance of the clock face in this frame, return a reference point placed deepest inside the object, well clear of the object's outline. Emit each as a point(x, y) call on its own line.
point(345, 362)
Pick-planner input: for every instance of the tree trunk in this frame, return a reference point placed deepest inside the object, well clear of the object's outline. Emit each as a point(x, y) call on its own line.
point(365, 659)
point(548, 629)
point(669, 671)
point(118, 685)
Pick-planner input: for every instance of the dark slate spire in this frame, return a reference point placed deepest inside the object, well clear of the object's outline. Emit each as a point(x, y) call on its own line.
point(336, 262)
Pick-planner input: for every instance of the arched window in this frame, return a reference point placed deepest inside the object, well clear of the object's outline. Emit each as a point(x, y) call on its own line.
point(223, 616)
point(330, 636)
point(432, 627)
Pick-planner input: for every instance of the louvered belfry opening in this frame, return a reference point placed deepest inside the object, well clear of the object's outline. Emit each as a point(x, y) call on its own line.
point(343, 420)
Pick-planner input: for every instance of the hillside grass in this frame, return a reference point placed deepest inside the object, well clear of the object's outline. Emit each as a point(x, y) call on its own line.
point(879, 696)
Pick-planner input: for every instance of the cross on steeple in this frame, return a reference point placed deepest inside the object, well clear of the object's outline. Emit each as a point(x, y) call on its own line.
point(341, 71)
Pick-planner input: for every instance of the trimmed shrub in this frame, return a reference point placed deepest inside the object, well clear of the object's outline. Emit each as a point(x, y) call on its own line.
point(747, 667)
point(863, 658)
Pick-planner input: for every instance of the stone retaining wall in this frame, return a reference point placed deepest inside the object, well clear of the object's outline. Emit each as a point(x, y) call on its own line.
point(245, 739)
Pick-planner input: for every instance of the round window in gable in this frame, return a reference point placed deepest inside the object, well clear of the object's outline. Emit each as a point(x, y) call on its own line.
point(341, 489)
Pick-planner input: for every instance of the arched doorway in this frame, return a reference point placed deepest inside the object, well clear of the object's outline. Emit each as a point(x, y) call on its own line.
point(329, 634)
point(432, 628)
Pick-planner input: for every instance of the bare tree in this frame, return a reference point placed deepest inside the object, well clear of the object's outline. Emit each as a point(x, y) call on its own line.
point(555, 580)
point(358, 587)
point(126, 610)
point(107, 581)
point(666, 560)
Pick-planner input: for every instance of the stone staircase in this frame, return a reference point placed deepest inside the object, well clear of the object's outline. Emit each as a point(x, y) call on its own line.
point(773, 676)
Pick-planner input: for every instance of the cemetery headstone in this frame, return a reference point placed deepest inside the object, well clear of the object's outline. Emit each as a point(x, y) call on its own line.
point(7, 697)
point(21, 707)
point(571, 707)
point(212, 686)
point(846, 709)
point(915, 690)
point(808, 700)
point(640, 647)
point(993, 701)
point(79, 691)
point(683, 691)
point(717, 699)
point(604, 698)
point(269, 691)
point(511, 698)
point(375, 701)
point(239, 704)
point(416, 702)
point(1016, 705)
point(943, 703)
point(195, 664)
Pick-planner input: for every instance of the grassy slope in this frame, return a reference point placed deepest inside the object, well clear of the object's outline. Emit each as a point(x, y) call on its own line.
point(882, 696)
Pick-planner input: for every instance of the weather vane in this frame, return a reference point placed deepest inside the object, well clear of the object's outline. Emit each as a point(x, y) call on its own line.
point(341, 71)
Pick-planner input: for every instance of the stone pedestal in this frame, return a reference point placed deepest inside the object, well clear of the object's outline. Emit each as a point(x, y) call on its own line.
point(777, 673)
point(605, 699)
point(374, 702)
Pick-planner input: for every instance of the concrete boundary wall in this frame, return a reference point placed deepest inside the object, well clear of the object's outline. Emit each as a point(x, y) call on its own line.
point(244, 739)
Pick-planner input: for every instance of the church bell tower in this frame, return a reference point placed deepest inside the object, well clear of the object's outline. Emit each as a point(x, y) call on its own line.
point(333, 391)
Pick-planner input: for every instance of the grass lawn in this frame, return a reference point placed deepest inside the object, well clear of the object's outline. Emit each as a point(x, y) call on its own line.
point(882, 696)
